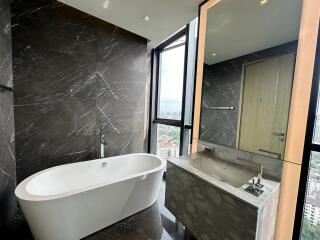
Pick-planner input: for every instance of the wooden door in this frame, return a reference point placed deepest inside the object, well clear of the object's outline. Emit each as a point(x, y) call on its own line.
point(283, 96)
point(265, 105)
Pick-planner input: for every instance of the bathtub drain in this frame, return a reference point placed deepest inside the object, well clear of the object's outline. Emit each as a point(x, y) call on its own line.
point(104, 164)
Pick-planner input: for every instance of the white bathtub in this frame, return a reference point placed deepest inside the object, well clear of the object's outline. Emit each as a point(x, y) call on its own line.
point(72, 201)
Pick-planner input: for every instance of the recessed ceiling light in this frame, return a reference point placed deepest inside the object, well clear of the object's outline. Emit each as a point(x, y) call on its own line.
point(263, 2)
point(214, 54)
point(146, 18)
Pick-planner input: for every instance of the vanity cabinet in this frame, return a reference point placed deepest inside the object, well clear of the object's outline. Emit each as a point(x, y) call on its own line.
point(211, 213)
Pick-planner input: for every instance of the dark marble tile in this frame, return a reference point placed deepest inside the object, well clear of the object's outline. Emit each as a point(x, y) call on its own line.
point(7, 149)
point(5, 44)
point(74, 75)
point(120, 106)
point(38, 153)
point(7, 157)
point(7, 152)
point(125, 143)
point(55, 133)
point(17, 228)
point(121, 86)
point(221, 88)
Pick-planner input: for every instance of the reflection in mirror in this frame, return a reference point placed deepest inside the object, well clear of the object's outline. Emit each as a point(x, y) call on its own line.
point(248, 74)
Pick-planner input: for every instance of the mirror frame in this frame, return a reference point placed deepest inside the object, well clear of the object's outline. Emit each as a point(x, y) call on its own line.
point(298, 113)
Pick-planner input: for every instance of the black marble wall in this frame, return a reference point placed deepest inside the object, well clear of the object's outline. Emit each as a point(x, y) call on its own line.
point(221, 87)
point(5, 44)
point(74, 75)
point(7, 151)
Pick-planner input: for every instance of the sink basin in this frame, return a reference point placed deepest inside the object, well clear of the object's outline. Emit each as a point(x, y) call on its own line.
point(231, 174)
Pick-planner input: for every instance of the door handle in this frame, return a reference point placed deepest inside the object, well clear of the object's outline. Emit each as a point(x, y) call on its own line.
point(266, 151)
point(280, 134)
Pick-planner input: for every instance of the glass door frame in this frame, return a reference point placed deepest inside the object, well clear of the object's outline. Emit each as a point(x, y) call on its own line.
point(309, 146)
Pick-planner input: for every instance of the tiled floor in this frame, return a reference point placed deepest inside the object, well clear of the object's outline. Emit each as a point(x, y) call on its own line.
point(154, 223)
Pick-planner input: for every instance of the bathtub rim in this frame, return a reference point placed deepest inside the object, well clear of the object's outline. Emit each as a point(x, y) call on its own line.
point(22, 194)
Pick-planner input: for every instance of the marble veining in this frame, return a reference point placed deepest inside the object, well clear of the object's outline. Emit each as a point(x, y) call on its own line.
point(5, 44)
point(74, 76)
point(120, 102)
point(221, 88)
point(7, 148)
point(212, 209)
point(186, 163)
point(206, 211)
point(7, 158)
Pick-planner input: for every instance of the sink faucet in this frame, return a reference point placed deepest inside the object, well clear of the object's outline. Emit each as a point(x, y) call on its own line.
point(259, 184)
point(256, 187)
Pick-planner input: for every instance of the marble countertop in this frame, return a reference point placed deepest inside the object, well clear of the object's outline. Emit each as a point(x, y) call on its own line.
point(186, 163)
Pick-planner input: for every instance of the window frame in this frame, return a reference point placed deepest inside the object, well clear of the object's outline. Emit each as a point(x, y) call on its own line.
point(158, 51)
point(309, 145)
point(155, 119)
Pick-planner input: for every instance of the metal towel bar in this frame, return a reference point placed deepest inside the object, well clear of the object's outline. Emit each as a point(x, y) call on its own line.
point(266, 151)
point(219, 108)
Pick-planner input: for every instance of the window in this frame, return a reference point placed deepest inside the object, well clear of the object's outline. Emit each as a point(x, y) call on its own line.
point(307, 222)
point(310, 229)
point(169, 117)
point(171, 80)
point(168, 141)
point(172, 94)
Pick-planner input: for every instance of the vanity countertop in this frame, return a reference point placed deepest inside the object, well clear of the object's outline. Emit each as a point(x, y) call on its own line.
point(188, 162)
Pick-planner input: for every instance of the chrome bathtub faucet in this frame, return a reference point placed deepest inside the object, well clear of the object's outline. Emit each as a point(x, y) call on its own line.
point(102, 144)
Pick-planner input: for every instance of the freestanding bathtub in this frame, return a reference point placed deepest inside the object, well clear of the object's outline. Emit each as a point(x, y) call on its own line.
point(72, 201)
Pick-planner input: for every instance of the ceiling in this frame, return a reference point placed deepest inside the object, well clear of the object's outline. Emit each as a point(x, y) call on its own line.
point(236, 28)
point(166, 16)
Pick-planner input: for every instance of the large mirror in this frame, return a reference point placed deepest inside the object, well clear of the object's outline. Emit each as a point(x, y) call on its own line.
point(250, 51)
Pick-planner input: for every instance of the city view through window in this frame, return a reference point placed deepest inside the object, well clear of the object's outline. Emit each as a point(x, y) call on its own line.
point(168, 141)
point(311, 220)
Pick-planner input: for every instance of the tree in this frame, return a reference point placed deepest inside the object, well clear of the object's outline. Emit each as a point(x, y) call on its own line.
point(309, 232)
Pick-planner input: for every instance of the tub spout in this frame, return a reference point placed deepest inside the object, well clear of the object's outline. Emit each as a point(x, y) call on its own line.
point(102, 144)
